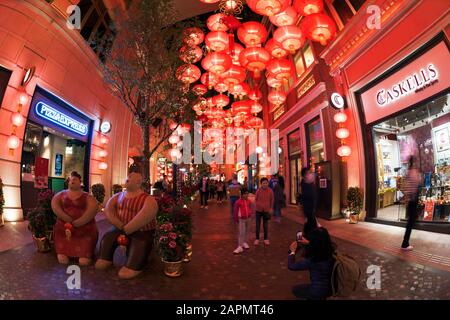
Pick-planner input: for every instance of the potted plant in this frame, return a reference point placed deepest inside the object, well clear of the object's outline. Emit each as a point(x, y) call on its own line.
point(41, 221)
point(98, 191)
point(2, 203)
point(174, 234)
point(354, 203)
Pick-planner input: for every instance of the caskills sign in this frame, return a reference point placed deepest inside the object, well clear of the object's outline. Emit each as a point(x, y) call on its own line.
point(423, 77)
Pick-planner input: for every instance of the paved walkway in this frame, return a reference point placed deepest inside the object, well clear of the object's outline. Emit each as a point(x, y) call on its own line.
point(214, 272)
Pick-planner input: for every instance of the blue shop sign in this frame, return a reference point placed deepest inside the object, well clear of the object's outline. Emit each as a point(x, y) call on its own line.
point(61, 119)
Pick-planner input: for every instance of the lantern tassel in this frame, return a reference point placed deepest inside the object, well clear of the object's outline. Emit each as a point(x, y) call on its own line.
point(231, 43)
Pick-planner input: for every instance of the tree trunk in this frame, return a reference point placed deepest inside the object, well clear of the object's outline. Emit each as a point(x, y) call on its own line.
point(146, 139)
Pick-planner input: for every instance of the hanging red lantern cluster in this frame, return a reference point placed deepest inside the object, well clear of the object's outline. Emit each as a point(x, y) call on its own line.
point(216, 62)
point(268, 7)
point(254, 59)
point(217, 41)
point(287, 17)
point(252, 33)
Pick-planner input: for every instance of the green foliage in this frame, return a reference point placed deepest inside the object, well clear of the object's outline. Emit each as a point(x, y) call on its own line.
point(98, 191)
point(42, 219)
point(354, 200)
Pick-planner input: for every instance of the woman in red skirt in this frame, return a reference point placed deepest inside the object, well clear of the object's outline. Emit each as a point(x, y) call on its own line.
point(75, 231)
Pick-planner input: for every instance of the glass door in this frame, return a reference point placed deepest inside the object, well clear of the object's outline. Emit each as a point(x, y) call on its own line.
point(295, 165)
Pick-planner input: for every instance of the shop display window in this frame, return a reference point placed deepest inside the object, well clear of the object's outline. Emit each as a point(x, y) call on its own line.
point(422, 132)
point(314, 140)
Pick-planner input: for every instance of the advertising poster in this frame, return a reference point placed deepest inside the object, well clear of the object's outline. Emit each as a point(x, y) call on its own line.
point(41, 173)
point(58, 164)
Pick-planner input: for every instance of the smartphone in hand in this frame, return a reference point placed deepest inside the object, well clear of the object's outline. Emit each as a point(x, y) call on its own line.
point(299, 235)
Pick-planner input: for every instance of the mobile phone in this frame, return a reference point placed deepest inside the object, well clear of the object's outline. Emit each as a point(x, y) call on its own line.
point(299, 235)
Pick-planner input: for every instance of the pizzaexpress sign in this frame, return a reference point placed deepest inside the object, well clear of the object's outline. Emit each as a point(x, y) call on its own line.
point(46, 112)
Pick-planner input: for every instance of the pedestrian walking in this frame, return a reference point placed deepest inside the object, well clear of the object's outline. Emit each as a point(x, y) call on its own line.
point(411, 197)
point(203, 187)
point(234, 191)
point(243, 210)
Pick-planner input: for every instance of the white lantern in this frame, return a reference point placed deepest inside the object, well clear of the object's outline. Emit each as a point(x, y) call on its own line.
point(344, 151)
point(13, 142)
point(103, 166)
point(17, 119)
point(102, 153)
point(175, 153)
point(342, 133)
point(23, 98)
point(340, 117)
point(104, 140)
point(173, 139)
point(259, 150)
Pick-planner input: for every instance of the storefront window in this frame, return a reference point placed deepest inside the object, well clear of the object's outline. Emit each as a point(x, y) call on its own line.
point(314, 140)
point(422, 132)
point(295, 164)
point(303, 60)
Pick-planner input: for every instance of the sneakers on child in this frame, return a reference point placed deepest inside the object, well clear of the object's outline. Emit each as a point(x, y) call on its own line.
point(256, 242)
point(266, 242)
point(238, 250)
point(408, 248)
point(246, 246)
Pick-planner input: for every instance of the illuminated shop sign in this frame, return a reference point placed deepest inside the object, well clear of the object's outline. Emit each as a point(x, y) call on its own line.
point(51, 114)
point(337, 100)
point(416, 81)
point(413, 83)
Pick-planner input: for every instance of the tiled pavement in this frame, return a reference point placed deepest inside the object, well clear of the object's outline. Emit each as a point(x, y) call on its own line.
point(214, 272)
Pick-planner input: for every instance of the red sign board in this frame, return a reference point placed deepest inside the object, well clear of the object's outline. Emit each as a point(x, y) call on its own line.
point(422, 78)
point(41, 173)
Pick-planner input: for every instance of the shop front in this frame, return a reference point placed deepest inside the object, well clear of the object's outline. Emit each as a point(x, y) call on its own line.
point(57, 141)
point(405, 113)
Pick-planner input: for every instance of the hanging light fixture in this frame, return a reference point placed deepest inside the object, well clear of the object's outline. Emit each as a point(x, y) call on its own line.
point(255, 94)
point(216, 62)
point(188, 73)
point(254, 59)
point(255, 107)
point(240, 90)
point(231, 7)
point(344, 151)
point(199, 89)
point(216, 22)
point(342, 133)
point(221, 87)
point(221, 100)
point(233, 76)
point(174, 139)
point(319, 27)
point(209, 79)
point(13, 142)
point(193, 36)
point(237, 51)
point(290, 37)
point(104, 140)
point(281, 69)
point(276, 97)
point(287, 17)
point(103, 165)
point(268, 7)
point(191, 54)
point(102, 153)
point(340, 117)
point(276, 49)
point(307, 7)
point(17, 119)
point(252, 33)
point(217, 41)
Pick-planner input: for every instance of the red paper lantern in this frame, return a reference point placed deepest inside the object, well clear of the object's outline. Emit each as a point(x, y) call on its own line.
point(188, 73)
point(273, 82)
point(216, 62)
point(268, 7)
point(209, 79)
point(217, 41)
point(237, 51)
point(281, 69)
point(255, 94)
point(344, 151)
point(252, 33)
point(102, 153)
point(319, 27)
point(240, 107)
point(104, 140)
point(193, 36)
point(255, 122)
point(199, 89)
point(191, 54)
point(307, 7)
point(209, 1)
point(103, 166)
point(287, 17)
point(221, 100)
point(255, 107)
point(276, 97)
point(233, 76)
point(254, 59)
point(275, 49)
point(290, 37)
point(240, 90)
point(221, 87)
point(122, 240)
point(216, 22)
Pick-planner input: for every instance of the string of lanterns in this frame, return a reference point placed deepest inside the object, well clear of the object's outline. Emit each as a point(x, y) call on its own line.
point(104, 140)
point(17, 120)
